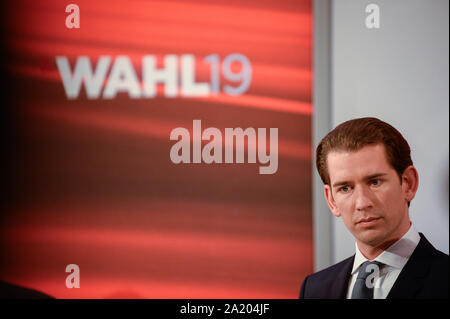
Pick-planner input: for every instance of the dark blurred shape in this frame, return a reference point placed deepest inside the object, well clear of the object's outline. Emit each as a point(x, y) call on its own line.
point(10, 291)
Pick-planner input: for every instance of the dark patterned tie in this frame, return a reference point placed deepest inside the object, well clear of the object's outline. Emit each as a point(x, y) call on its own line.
point(363, 289)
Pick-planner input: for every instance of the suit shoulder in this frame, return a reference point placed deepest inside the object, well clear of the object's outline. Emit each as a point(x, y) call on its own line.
point(436, 277)
point(437, 257)
point(441, 256)
point(440, 260)
point(332, 271)
point(327, 283)
point(329, 274)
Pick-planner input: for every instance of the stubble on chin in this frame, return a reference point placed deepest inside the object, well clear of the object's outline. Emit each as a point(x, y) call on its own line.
point(370, 237)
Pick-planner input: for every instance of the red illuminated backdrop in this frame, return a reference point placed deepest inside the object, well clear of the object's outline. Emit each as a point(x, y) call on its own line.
point(91, 181)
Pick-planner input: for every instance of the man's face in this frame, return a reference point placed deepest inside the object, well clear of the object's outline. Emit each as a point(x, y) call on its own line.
point(366, 191)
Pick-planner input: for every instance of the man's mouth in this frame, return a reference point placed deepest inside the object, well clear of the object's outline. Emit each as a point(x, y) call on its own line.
point(368, 221)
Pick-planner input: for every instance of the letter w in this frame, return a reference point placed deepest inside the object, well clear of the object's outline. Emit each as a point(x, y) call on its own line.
point(83, 72)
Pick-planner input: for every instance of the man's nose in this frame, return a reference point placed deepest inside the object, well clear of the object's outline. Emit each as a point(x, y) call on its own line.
point(363, 199)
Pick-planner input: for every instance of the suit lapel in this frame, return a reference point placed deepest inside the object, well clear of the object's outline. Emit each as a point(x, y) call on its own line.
point(412, 276)
point(340, 284)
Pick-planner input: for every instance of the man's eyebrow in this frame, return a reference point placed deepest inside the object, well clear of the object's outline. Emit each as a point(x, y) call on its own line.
point(340, 183)
point(370, 177)
point(374, 176)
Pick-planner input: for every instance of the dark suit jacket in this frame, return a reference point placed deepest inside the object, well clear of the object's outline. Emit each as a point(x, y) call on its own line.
point(425, 275)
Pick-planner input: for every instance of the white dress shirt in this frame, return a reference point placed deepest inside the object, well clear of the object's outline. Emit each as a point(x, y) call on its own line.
point(393, 259)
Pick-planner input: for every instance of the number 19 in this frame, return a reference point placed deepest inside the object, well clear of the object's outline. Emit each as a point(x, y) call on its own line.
point(244, 76)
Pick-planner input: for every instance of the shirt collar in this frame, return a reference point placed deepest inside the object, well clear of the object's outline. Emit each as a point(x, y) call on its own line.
point(396, 255)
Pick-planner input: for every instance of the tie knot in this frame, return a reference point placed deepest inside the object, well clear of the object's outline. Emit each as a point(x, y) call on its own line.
point(367, 268)
point(363, 288)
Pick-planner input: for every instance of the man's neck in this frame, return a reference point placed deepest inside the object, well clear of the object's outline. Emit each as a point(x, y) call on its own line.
point(372, 252)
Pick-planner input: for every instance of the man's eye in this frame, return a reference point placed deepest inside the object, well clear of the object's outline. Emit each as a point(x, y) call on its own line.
point(344, 189)
point(375, 182)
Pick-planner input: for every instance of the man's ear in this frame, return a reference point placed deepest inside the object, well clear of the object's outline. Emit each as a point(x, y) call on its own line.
point(410, 182)
point(330, 201)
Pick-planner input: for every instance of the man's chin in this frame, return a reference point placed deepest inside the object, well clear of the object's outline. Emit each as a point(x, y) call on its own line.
point(370, 237)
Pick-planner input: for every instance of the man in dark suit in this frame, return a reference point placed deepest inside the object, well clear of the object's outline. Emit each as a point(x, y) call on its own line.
point(369, 180)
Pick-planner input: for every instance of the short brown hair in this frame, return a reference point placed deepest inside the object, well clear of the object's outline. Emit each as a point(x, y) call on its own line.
point(355, 134)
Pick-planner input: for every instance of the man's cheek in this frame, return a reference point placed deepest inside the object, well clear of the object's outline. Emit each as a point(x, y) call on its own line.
point(348, 221)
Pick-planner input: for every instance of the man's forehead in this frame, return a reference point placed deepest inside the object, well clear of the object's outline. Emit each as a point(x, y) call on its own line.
point(367, 161)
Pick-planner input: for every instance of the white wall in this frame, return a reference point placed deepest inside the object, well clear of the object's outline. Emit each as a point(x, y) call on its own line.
point(321, 125)
point(400, 74)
